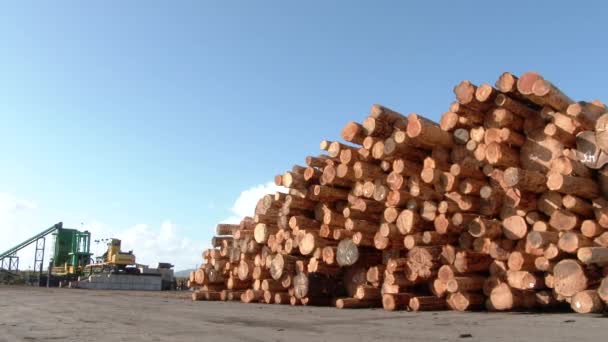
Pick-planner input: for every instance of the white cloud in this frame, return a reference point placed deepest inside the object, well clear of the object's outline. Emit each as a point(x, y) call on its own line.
point(247, 200)
point(152, 244)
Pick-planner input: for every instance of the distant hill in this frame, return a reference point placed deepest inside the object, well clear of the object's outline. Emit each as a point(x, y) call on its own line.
point(183, 273)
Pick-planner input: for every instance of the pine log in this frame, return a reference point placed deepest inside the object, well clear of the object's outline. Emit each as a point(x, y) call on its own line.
point(396, 301)
point(514, 227)
point(389, 116)
point(587, 301)
point(353, 132)
point(427, 133)
point(503, 297)
point(602, 290)
point(427, 303)
point(500, 154)
point(586, 113)
point(525, 180)
point(593, 255)
point(564, 220)
point(347, 253)
point(551, 95)
point(570, 278)
point(352, 303)
point(481, 227)
point(579, 186)
point(463, 301)
point(465, 283)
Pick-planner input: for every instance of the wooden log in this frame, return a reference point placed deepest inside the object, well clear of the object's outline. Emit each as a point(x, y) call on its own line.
point(564, 220)
point(354, 303)
point(395, 181)
point(377, 128)
point(463, 301)
point(570, 242)
point(586, 113)
point(505, 136)
point(602, 290)
point(396, 301)
point(439, 287)
point(578, 186)
point(389, 116)
point(262, 231)
point(593, 255)
point(328, 194)
point(347, 253)
point(569, 165)
point(526, 180)
point(539, 151)
point(375, 274)
point(551, 95)
point(601, 240)
point(464, 202)
point(422, 261)
point(577, 206)
point(587, 301)
point(514, 227)
point(427, 133)
point(499, 154)
point(465, 283)
point(518, 108)
point(282, 264)
point(465, 95)
point(570, 278)
point(427, 303)
point(467, 116)
point(468, 169)
point(481, 227)
point(503, 118)
point(226, 229)
point(466, 261)
point(503, 297)
point(398, 146)
point(591, 229)
point(443, 225)
point(367, 292)
point(408, 220)
point(353, 132)
point(477, 133)
point(518, 261)
point(588, 150)
point(251, 296)
point(412, 240)
point(524, 280)
point(540, 239)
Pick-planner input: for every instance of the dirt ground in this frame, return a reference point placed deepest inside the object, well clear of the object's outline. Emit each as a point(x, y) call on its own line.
point(39, 314)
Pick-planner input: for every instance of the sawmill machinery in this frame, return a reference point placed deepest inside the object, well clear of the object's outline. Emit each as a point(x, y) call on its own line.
point(71, 253)
point(114, 260)
point(117, 259)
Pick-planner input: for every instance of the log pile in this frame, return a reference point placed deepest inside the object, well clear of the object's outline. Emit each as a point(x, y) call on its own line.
point(502, 205)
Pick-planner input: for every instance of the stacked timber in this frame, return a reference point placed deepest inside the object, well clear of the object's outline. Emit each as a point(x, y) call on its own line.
point(502, 205)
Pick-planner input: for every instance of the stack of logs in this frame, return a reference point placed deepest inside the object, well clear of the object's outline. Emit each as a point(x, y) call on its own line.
point(502, 205)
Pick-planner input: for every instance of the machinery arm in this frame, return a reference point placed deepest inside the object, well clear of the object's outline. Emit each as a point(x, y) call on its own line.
point(33, 239)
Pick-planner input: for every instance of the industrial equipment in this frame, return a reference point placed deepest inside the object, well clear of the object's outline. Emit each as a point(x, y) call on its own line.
point(71, 253)
point(114, 260)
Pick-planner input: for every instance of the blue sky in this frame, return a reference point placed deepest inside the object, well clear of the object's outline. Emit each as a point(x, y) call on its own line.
point(124, 115)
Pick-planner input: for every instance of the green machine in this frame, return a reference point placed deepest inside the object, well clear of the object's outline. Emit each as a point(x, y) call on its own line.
point(70, 255)
point(72, 251)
